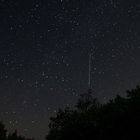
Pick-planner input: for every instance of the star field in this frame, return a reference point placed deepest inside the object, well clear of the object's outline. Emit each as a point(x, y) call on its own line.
point(44, 49)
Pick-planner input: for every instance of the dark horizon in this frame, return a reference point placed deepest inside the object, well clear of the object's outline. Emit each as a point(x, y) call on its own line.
point(44, 52)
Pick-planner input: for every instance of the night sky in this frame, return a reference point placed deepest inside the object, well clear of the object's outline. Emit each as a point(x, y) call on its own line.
point(44, 50)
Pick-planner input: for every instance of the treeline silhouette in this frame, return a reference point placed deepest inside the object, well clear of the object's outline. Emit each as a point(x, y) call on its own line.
point(118, 119)
point(11, 136)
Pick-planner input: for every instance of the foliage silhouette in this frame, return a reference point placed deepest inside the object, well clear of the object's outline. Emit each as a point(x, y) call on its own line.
point(13, 136)
point(116, 120)
point(3, 132)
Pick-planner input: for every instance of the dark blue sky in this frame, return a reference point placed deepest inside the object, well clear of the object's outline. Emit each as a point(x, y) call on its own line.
point(44, 48)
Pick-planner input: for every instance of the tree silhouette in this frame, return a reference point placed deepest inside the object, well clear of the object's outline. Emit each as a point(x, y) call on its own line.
point(15, 136)
point(78, 123)
point(12, 136)
point(117, 119)
point(3, 132)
